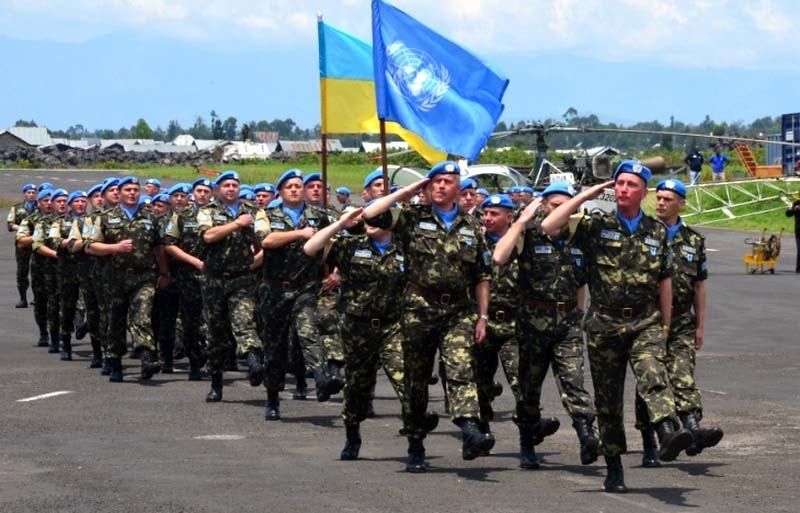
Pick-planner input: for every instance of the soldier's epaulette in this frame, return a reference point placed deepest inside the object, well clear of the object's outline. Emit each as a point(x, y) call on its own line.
point(692, 231)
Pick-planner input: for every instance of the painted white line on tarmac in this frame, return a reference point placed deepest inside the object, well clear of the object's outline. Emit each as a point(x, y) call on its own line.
point(44, 396)
point(718, 392)
point(712, 250)
point(219, 437)
point(630, 502)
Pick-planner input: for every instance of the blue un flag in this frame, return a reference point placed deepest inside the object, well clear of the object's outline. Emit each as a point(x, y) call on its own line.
point(432, 86)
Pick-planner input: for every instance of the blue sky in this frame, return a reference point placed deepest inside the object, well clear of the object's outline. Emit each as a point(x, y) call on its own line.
point(106, 63)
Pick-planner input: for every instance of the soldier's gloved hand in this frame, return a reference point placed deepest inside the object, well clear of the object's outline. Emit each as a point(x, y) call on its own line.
point(125, 246)
point(244, 220)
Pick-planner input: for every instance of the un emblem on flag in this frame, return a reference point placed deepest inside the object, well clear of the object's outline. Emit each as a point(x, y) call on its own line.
point(415, 75)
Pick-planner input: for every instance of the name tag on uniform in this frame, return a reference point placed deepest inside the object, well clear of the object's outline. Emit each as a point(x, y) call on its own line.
point(363, 253)
point(68, 224)
point(610, 235)
point(114, 220)
point(400, 258)
point(220, 218)
point(652, 242)
point(543, 250)
point(277, 225)
point(688, 249)
point(425, 225)
point(312, 222)
point(576, 251)
point(466, 231)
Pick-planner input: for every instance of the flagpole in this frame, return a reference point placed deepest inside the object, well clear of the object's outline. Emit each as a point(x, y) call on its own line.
point(324, 141)
point(384, 159)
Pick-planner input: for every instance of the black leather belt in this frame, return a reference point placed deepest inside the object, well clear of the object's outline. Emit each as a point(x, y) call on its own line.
point(551, 306)
point(622, 313)
point(442, 298)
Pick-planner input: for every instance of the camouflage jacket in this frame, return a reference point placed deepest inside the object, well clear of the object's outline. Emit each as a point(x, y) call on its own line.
point(18, 213)
point(289, 263)
point(41, 231)
point(624, 270)
point(689, 252)
point(505, 285)
point(61, 230)
point(233, 255)
point(183, 230)
point(371, 283)
point(438, 259)
point(549, 270)
point(28, 224)
point(113, 226)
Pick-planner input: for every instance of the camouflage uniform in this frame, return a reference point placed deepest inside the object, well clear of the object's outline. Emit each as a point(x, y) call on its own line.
point(443, 267)
point(131, 278)
point(81, 230)
point(289, 303)
point(49, 272)
point(38, 264)
point(68, 273)
point(183, 230)
point(550, 272)
point(228, 286)
point(370, 327)
point(688, 249)
point(166, 304)
point(16, 216)
point(501, 339)
point(623, 323)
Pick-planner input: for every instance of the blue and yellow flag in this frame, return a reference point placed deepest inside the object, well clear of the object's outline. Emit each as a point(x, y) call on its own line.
point(347, 91)
point(432, 86)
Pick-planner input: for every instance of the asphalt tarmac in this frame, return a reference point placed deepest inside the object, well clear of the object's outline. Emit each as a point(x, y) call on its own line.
point(158, 447)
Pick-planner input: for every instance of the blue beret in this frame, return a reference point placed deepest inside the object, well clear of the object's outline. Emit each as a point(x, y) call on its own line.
point(515, 189)
point(260, 187)
point(447, 167)
point(153, 181)
point(28, 186)
point(128, 180)
point(483, 192)
point(268, 187)
point(559, 188)
point(44, 185)
point(247, 194)
point(498, 200)
point(343, 190)
point(378, 173)
point(75, 195)
point(313, 177)
point(277, 202)
point(203, 182)
point(58, 193)
point(145, 199)
point(110, 182)
point(94, 189)
point(634, 167)
point(673, 185)
point(227, 175)
point(288, 175)
point(468, 183)
point(537, 194)
point(180, 187)
point(161, 198)
point(44, 193)
point(528, 190)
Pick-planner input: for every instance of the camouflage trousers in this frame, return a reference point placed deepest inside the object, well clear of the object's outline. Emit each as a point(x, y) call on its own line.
point(613, 343)
point(39, 288)
point(328, 326)
point(88, 288)
point(680, 363)
point(191, 317)
point(369, 344)
point(165, 317)
point(500, 344)
point(229, 308)
point(70, 285)
point(23, 258)
point(551, 339)
point(132, 295)
point(450, 329)
point(287, 314)
point(101, 273)
point(53, 299)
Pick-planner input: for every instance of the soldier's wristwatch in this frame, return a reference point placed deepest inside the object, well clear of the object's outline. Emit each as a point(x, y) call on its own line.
point(484, 317)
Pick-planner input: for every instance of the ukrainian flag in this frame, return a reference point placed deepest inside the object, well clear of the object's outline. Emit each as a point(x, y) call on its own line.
point(347, 91)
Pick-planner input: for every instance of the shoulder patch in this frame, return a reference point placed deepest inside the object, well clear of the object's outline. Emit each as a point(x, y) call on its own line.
point(610, 234)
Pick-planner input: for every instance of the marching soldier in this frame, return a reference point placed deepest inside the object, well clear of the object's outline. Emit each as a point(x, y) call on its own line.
point(41, 233)
point(110, 194)
point(24, 240)
point(17, 214)
point(629, 268)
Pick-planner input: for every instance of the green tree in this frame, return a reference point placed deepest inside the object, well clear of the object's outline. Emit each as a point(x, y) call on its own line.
point(229, 129)
point(23, 123)
point(141, 130)
point(173, 130)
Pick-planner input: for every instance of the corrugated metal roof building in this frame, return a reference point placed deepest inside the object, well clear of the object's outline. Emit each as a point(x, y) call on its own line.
point(34, 136)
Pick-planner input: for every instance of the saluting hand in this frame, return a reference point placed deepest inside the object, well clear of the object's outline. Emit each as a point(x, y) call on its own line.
point(125, 246)
point(409, 191)
point(597, 190)
point(529, 211)
point(351, 218)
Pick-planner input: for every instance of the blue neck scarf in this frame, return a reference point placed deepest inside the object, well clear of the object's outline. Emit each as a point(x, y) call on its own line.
point(294, 213)
point(30, 204)
point(233, 209)
point(130, 212)
point(447, 217)
point(493, 237)
point(672, 231)
point(631, 225)
point(381, 247)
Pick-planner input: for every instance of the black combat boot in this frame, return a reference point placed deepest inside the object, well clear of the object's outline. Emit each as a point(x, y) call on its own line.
point(672, 442)
point(114, 370)
point(233, 363)
point(105, 370)
point(527, 453)
point(44, 338)
point(195, 370)
point(615, 480)
point(335, 379)
point(215, 394)
point(97, 355)
point(150, 365)
point(416, 456)
point(430, 421)
point(66, 349)
point(81, 330)
point(54, 343)
point(300, 387)
point(273, 406)
point(255, 368)
point(544, 428)
point(23, 298)
point(167, 357)
point(322, 385)
point(352, 444)
point(649, 449)
point(701, 437)
point(474, 442)
point(590, 445)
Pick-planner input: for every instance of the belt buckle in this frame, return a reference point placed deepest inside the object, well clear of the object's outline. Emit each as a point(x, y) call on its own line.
point(561, 306)
point(445, 298)
point(500, 315)
point(286, 284)
point(375, 323)
point(627, 313)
